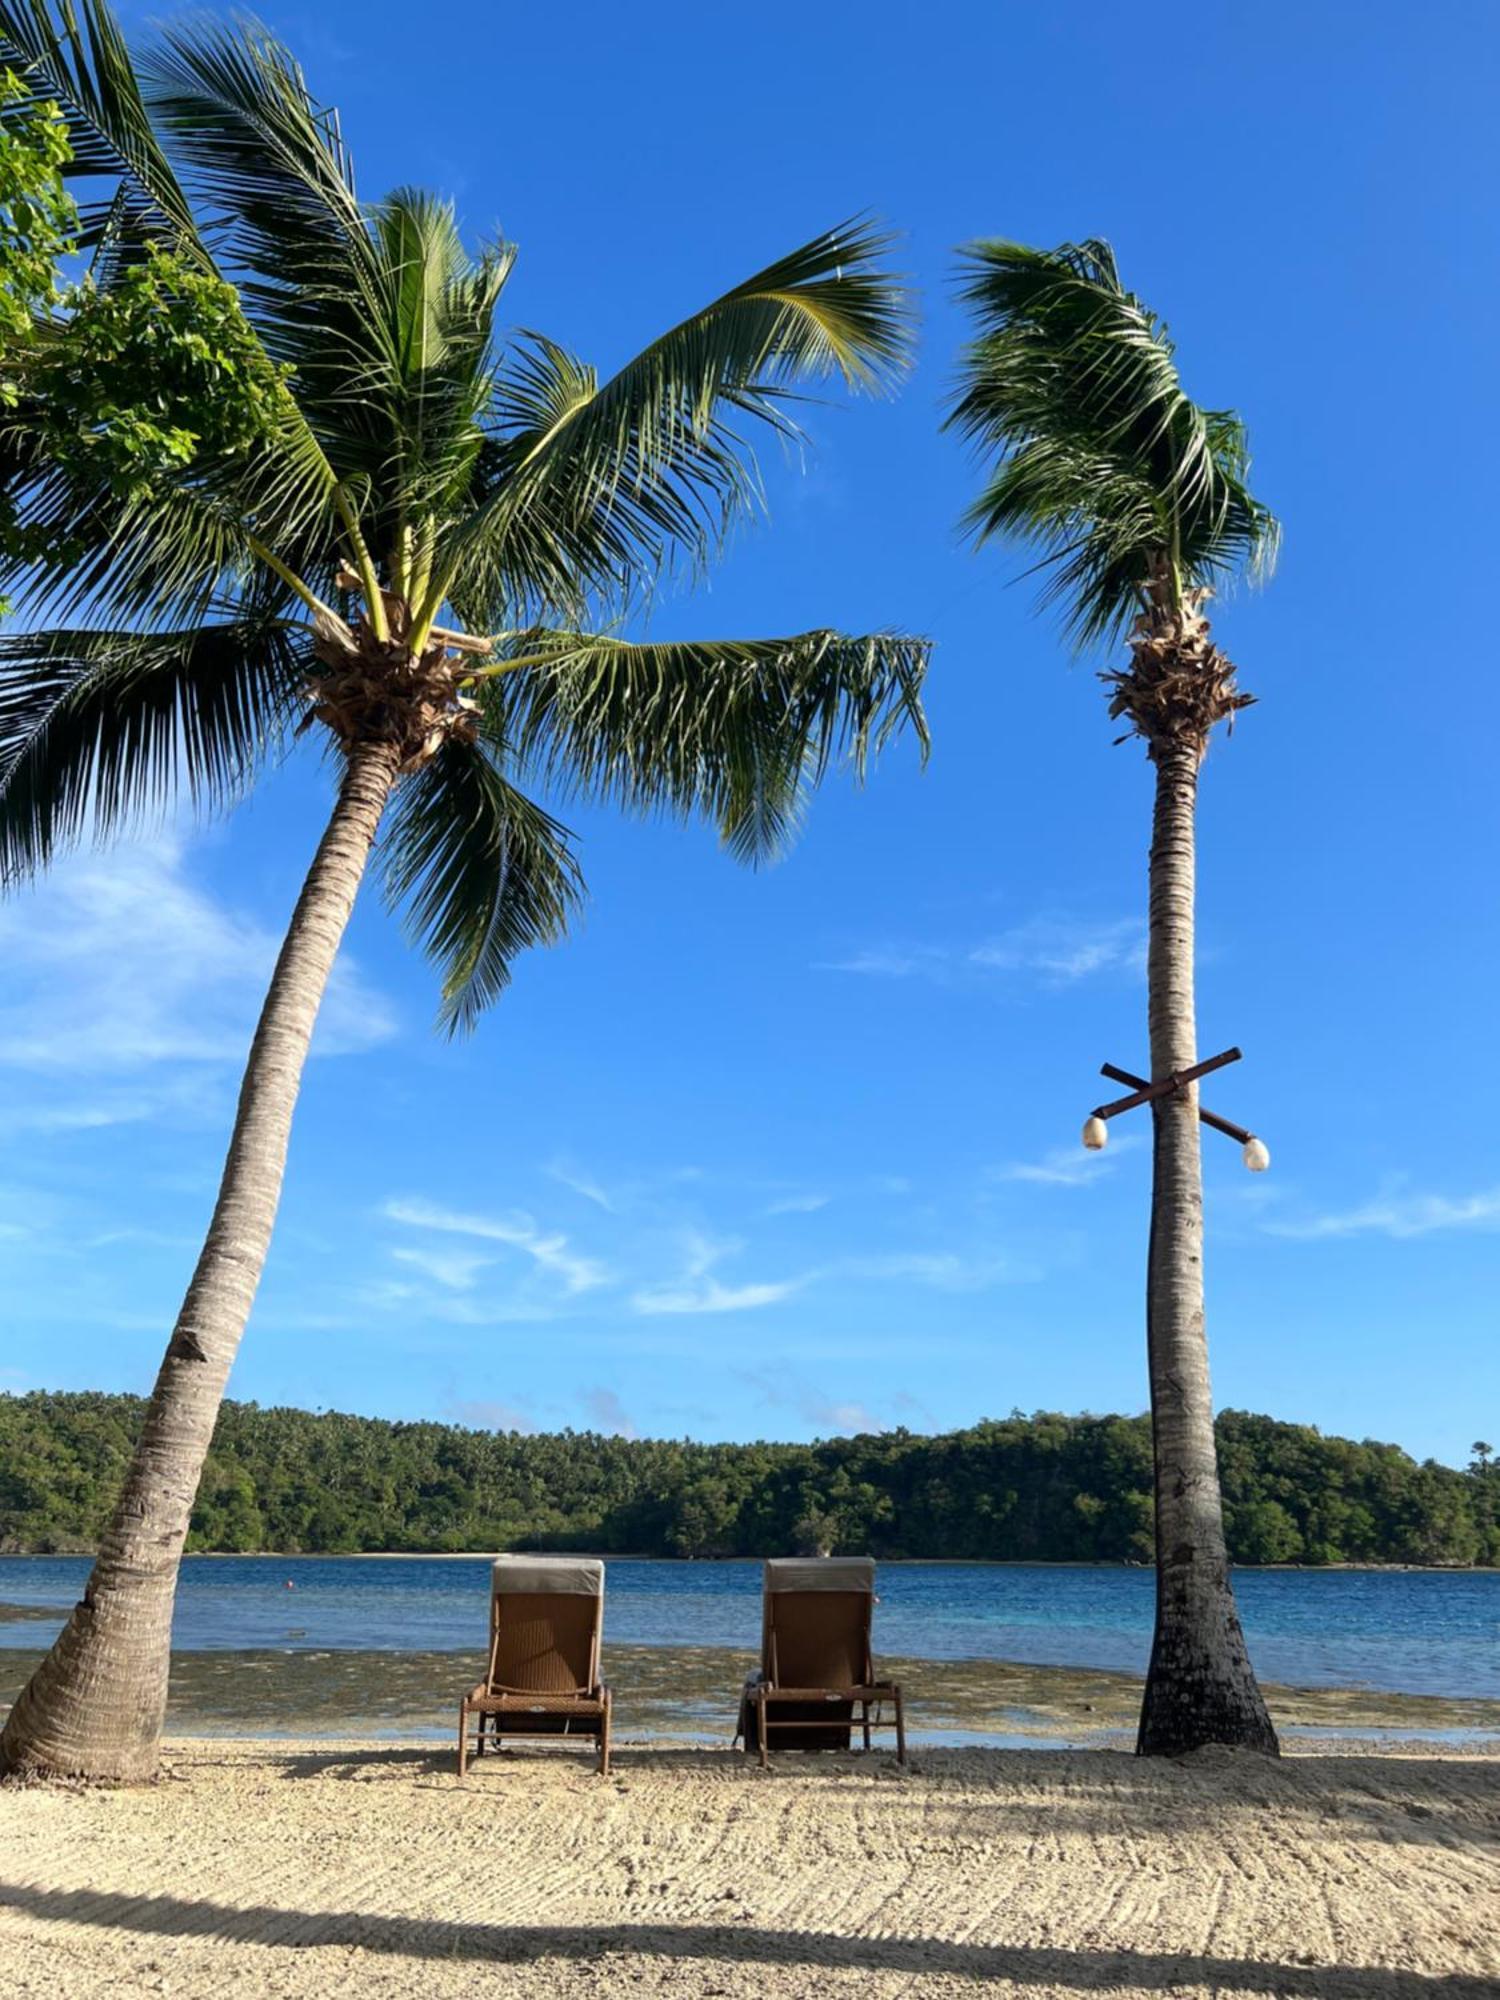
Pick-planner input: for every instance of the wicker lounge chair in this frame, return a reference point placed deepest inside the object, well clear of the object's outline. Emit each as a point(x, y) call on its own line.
point(546, 1622)
point(817, 1675)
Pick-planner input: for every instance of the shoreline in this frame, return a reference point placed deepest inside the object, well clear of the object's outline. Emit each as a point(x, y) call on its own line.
point(675, 1691)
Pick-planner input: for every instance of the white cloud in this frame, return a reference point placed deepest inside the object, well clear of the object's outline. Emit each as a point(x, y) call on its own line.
point(798, 1204)
point(696, 1290)
point(709, 1296)
point(1068, 1166)
point(549, 1250)
point(783, 1390)
point(888, 964)
point(457, 1269)
point(943, 1270)
point(1399, 1216)
point(1061, 951)
point(486, 1414)
point(608, 1412)
point(119, 961)
point(1057, 951)
point(582, 1184)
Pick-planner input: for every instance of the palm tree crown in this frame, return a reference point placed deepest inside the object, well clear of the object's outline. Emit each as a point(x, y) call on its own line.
point(1128, 488)
point(428, 536)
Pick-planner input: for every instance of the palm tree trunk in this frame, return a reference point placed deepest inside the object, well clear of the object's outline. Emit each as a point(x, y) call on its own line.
point(94, 1708)
point(1200, 1687)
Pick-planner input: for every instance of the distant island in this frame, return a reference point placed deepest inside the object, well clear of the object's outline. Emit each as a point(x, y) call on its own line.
point(1040, 1488)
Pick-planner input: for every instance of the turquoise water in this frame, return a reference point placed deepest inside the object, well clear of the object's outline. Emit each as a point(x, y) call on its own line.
point(1411, 1632)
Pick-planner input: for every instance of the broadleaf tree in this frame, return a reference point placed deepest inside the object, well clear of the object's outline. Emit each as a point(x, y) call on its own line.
point(1137, 501)
point(304, 486)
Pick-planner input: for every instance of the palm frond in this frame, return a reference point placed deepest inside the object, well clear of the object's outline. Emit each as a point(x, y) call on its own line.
point(483, 873)
point(97, 727)
point(267, 167)
point(733, 729)
point(1071, 393)
point(649, 462)
point(433, 382)
point(72, 51)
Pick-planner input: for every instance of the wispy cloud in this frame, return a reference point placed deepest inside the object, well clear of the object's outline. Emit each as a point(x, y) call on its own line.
point(1061, 950)
point(1068, 1166)
point(942, 1270)
point(709, 1295)
point(485, 1414)
point(798, 1204)
point(1398, 1216)
point(1054, 951)
point(458, 1269)
point(608, 1412)
point(119, 962)
point(548, 1249)
point(583, 1184)
point(695, 1288)
point(890, 963)
point(779, 1389)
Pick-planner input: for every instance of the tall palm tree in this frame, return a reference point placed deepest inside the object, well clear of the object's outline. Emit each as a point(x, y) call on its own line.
point(1137, 501)
point(419, 563)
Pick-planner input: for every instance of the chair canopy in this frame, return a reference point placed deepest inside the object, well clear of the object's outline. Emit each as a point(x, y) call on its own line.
point(547, 1576)
point(785, 1573)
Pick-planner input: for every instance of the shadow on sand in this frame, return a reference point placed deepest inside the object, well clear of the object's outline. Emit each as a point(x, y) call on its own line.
point(1023, 1965)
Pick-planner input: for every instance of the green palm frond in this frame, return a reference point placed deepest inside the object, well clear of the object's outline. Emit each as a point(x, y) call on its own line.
point(732, 729)
point(75, 55)
point(629, 470)
point(483, 874)
point(430, 392)
point(267, 167)
point(1100, 457)
point(96, 726)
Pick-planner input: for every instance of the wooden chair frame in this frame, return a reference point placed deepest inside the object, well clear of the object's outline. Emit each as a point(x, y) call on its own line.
point(584, 1710)
point(864, 1695)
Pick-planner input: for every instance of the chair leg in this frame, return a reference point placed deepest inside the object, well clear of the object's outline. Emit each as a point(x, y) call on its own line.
point(760, 1704)
point(867, 1725)
point(900, 1728)
point(609, 1702)
point(463, 1737)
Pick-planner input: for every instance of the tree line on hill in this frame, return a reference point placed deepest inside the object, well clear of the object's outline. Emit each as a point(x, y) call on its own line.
point(1041, 1488)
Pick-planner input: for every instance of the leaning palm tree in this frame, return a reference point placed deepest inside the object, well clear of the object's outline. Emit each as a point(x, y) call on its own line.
point(1137, 502)
point(417, 553)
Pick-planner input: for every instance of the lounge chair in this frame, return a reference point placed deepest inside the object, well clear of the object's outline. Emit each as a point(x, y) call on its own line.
point(546, 1622)
point(816, 1668)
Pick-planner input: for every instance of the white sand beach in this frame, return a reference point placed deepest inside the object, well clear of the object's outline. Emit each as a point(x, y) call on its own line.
point(297, 1869)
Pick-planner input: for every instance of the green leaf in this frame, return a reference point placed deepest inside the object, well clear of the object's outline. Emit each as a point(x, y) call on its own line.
point(97, 725)
point(732, 729)
point(483, 873)
point(1096, 454)
point(619, 476)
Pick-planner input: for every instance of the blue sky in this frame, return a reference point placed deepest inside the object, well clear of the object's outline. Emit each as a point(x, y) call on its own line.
point(787, 1153)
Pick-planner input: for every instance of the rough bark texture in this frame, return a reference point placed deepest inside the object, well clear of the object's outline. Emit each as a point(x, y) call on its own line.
point(1200, 1687)
point(94, 1707)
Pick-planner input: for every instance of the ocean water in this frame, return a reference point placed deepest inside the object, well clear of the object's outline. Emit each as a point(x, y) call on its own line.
point(1412, 1632)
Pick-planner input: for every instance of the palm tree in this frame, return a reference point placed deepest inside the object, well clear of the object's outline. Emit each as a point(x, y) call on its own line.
point(419, 563)
point(1137, 502)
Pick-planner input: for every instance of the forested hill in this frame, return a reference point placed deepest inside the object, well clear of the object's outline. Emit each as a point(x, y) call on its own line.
point(1039, 1488)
